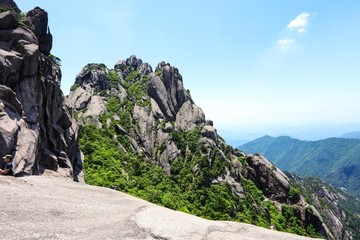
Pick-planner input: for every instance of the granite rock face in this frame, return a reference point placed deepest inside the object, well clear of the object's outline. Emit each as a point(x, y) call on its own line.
point(271, 180)
point(37, 22)
point(335, 206)
point(165, 86)
point(8, 21)
point(36, 126)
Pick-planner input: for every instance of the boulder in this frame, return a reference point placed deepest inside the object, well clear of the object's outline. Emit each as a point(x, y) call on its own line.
point(312, 216)
point(236, 187)
point(271, 180)
point(155, 109)
point(209, 131)
point(94, 109)
point(333, 217)
point(122, 94)
point(9, 99)
point(50, 160)
point(78, 99)
point(120, 130)
point(189, 117)
point(18, 55)
point(168, 127)
point(208, 143)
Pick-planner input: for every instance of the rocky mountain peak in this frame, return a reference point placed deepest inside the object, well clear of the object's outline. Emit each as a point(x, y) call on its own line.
point(155, 103)
point(165, 86)
point(37, 22)
point(93, 77)
point(124, 67)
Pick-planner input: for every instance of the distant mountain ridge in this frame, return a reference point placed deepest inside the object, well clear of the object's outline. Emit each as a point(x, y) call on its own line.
point(353, 135)
point(237, 135)
point(335, 160)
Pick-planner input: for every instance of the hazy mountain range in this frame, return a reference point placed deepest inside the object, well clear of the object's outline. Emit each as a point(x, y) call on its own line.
point(354, 135)
point(241, 134)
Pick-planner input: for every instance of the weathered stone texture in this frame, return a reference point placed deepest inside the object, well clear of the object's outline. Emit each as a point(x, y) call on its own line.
point(36, 126)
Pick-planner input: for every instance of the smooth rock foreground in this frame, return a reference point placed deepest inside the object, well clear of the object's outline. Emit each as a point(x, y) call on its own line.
point(48, 207)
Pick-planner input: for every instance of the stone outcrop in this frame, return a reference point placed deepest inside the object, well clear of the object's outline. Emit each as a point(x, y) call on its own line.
point(37, 22)
point(209, 131)
point(124, 67)
point(166, 88)
point(92, 78)
point(331, 205)
point(276, 186)
point(36, 126)
point(335, 216)
point(271, 180)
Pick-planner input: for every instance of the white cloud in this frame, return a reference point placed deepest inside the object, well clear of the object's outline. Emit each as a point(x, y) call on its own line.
point(300, 22)
point(285, 43)
point(289, 35)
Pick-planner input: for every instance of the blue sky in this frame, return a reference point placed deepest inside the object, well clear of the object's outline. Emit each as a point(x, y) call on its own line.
point(245, 62)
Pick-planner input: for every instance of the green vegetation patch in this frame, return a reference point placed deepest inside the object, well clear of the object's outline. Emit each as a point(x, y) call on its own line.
point(113, 78)
point(95, 66)
point(74, 87)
